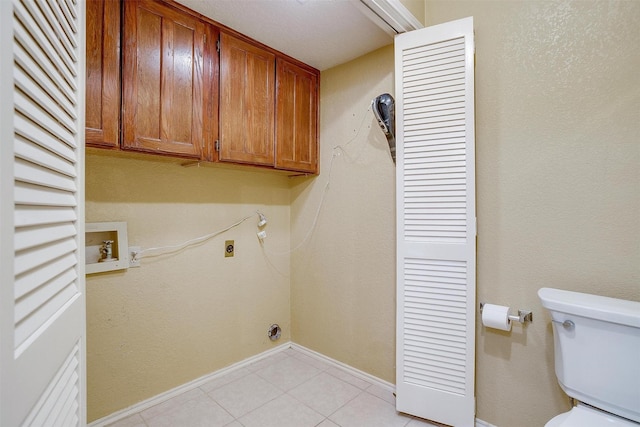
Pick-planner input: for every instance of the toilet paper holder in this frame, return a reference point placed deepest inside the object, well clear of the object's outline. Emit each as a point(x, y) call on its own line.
point(523, 316)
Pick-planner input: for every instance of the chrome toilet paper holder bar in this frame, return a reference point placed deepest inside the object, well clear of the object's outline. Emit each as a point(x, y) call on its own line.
point(523, 316)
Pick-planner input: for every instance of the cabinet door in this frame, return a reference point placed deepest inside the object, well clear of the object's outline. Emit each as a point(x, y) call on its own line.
point(247, 76)
point(296, 118)
point(163, 100)
point(102, 125)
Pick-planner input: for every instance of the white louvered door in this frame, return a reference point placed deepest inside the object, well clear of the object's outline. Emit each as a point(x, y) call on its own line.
point(42, 308)
point(436, 235)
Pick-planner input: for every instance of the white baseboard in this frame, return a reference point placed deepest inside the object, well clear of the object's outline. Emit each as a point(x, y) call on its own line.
point(162, 397)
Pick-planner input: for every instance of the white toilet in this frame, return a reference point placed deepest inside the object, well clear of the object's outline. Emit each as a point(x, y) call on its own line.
point(597, 358)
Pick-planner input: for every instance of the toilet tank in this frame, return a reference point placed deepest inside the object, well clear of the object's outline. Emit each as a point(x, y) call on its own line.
point(597, 359)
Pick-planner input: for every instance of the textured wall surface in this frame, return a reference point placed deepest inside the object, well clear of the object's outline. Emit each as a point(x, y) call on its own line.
point(416, 7)
point(187, 314)
point(343, 275)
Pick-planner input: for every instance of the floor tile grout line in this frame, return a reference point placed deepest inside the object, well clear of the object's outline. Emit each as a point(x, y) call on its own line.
point(291, 353)
point(223, 408)
point(320, 371)
point(345, 404)
point(327, 371)
point(270, 400)
point(360, 389)
point(304, 403)
point(299, 401)
point(339, 379)
point(255, 409)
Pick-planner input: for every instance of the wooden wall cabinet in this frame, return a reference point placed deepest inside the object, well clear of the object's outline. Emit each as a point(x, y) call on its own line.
point(247, 102)
point(163, 69)
point(177, 94)
point(268, 108)
point(296, 118)
point(102, 118)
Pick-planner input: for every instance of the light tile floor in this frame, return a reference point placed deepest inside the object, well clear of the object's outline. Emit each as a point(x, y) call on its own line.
point(286, 389)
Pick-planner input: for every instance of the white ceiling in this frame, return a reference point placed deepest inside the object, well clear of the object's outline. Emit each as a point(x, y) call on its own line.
point(321, 33)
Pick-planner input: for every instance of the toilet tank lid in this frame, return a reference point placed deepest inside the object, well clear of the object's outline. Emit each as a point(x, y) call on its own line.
point(598, 307)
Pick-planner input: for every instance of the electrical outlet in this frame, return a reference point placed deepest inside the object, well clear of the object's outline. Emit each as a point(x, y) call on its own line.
point(134, 258)
point(229, 248)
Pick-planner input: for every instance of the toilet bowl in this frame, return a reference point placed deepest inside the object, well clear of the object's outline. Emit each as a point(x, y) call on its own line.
point(596, 347)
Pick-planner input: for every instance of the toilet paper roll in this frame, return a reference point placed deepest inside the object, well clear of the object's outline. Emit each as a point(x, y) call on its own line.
point(496, 316)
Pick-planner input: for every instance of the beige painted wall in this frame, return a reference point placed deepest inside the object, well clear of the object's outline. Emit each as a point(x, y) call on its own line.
point(417, 8)
point(181, 316)
point(343, 277)
point(558, 193)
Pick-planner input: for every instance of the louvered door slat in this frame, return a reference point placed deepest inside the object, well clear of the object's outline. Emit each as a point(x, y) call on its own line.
point(432, 113)
point(67, 378)
point(70, 407)
point(42, 88)
point(444, 152)
point(44, 81)
point(439, 65)
point(34, 91)
point(30, 259)
point(65, 394)
point(59, 29)
point(31, 280)
point(66, 26)
point(440, 286)
point(41, 117)
point(71, 7)
point(69, 15)
point(47, 43)
point(426, 344)
point(452, 106)
point(425, 50)
point(28, 330)
point(34, 153)
point(42, 59)
point(35, 236)
point(41, 139)
point(436, 224)
point(29, 194)
point(25, 216)
point(436, 117)
point(438, 345)
point(29, 172)
point(32, 16)
point(436, 76)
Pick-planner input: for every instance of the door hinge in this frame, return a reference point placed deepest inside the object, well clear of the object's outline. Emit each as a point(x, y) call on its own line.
point(218, 45)
point(217, 145)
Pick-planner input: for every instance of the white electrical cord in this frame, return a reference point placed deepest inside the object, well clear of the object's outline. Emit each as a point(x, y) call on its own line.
point(335, 153)
point(163, 250)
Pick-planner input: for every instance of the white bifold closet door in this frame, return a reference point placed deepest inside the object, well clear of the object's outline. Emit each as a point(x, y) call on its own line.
point(436, 220)
point(42, 308)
